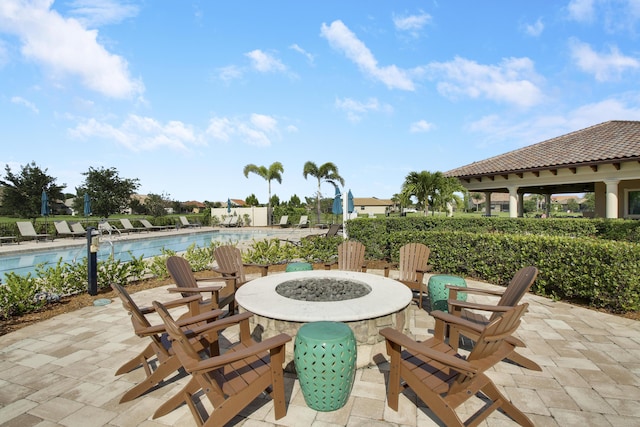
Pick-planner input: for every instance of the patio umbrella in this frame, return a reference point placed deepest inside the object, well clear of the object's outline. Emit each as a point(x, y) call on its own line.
point(44, 204)
point(87, 204)
point(228, 205)
point(336, 209)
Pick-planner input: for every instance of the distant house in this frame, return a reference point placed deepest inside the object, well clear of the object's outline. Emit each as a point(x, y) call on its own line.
point(193, 206)
point(237, 203)
point(365, 206)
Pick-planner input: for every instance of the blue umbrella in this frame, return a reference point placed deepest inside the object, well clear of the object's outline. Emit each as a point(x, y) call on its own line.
point(350, 207)
point(336, 209)
point(44, 204)
point(228, 205)
point(87, 204)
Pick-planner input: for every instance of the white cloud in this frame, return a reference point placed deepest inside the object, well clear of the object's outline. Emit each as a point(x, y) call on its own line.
point(421, 126)
point(411, 23)
point(535, 29)
point(542, 127)
point(229, 73)
point(356, 109)
point(67, 48)
point(139, 133)
point(345, 41)
point(581, 10)
point(300, 50)
point(513, 81)
point(95, 13)
point(4, 54)
point(21, 101)
point(264, 62)
point(259, 130)
point(604, 66)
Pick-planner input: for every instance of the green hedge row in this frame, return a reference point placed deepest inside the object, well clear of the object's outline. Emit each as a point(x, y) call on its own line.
point(602, 273)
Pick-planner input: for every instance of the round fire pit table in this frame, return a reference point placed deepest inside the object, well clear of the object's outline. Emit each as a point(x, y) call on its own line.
point(298, 266)
point(325, 361)
point(438, 292)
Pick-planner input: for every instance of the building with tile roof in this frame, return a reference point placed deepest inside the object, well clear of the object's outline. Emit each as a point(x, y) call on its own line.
point(603, 159)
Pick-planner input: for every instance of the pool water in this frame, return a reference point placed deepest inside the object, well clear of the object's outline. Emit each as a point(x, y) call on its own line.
point(23, 263)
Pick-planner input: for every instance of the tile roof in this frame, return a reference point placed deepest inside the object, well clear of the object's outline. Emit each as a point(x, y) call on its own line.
point(606, 142)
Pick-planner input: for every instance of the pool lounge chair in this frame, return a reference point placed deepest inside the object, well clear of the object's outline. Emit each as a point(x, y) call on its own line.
point(63, 230)
point(304, 222)
point(126, 224)
point(76, 227)
point(284, 221)
point(152, 227)
point(231, 221)
point(184, 222)
point(26, 230)
point(105, 228)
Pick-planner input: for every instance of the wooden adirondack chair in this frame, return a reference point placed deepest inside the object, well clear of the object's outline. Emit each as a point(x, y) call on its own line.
point(350, 257)
point(230, 265)
point(515, 290)
point(443, 379)
point(230, 381)
point(158, 358)
point(222, 294)
point(413, 264)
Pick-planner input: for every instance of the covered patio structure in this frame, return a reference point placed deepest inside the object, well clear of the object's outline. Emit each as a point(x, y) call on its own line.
point(603, 159)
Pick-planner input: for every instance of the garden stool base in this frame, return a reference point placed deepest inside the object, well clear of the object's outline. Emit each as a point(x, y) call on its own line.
point(325, 361)
point(438, 292)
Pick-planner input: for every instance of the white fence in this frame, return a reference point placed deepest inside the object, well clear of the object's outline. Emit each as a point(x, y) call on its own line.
point(257, 215)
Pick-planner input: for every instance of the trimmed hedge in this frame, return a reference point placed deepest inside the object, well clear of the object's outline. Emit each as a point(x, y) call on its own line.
point(573, 263)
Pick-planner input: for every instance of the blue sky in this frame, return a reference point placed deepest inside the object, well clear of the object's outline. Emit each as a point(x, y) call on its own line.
point(183, 94)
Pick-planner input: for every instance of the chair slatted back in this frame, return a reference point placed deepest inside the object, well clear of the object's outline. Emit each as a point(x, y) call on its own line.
point(180, 343)
point(517, 288)
point(413, 257)
point(351, 256)
point(229, 258)
point(181, 273)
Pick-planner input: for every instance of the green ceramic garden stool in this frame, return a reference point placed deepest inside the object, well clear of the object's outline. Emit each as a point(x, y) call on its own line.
point(298, 266)
point(438, 292)
point(325, 361)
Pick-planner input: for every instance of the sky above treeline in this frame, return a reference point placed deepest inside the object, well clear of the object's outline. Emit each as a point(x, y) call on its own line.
point(183, 95)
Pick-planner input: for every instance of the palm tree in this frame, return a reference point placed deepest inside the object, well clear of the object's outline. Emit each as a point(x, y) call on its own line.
point(445, 189)
point(422, 186)
point(327, 172)
point(273, 172)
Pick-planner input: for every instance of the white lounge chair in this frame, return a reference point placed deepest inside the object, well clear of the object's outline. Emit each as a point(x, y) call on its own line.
point(126, 224)
point(105, 228)
point(184, 222)
point(62, 228)
point(304, 222)
point(26, 230)
point(152, 227)
point(284, 221)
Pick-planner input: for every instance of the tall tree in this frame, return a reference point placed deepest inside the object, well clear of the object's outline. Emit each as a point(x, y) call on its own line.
point(23, 191)
point(269, 174)
point(109, 193)
point(446, 188)
point(422, 186)
point(327, 172)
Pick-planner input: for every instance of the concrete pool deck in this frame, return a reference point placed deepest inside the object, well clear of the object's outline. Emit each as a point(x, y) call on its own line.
point(60, 372)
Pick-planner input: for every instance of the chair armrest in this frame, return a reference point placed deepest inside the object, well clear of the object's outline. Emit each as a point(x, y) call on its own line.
point(232, 356)
point(450, 320)
point(197, 290)
point(171, 304)
point(475, 290)
point(454, 303)
point(226, 273)
point(186, 322)
point(424, 270)
point(404, 341)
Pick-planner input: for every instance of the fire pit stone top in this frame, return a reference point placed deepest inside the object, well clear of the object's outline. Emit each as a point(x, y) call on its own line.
point(259, 296)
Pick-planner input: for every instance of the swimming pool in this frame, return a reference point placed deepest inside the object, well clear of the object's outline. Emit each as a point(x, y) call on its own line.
point(25, 262)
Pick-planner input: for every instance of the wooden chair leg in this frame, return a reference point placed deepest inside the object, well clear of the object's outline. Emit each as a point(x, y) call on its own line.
point(162, 371)
point(492, 392)
point(140, 359)
point(523, 361)
point(178, 399)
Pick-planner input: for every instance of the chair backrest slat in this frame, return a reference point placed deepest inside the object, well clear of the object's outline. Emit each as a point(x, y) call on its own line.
point(413, 256)
point(351, 256)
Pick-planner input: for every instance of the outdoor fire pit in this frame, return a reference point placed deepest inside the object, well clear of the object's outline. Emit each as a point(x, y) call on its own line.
point(365, 302)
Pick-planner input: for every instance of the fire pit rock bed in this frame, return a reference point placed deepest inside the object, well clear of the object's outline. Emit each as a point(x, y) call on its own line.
point(373, 302)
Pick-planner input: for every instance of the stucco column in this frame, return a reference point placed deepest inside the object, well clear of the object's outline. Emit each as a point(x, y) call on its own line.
point(612, 198)
point(520, 205)
point(487, 203)
point(513, 202)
